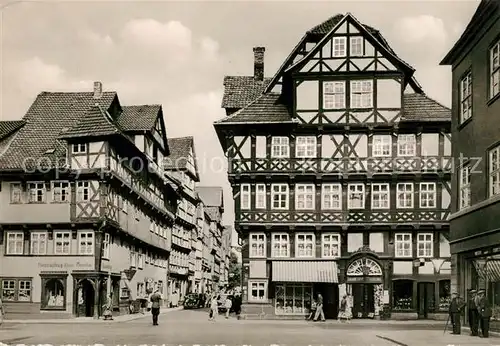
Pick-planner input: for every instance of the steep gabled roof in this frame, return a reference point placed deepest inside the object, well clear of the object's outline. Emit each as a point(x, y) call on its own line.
point(138, 118)
point(180, 149)
point(95, 122)
point(419, 107)
point(265, 109)
point(239, 91)
point(50, 114)
point(10, 126)
point(211, 196)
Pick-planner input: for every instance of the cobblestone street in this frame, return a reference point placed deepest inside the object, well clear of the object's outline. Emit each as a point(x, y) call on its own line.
point(193, 328)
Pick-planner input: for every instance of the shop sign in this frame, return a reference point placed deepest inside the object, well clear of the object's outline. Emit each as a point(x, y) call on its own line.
point(67, 264)
point(364, 279)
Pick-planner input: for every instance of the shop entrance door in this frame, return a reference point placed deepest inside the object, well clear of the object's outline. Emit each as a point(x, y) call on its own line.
point(363, 300)
point(425, 302)
point(330, 293)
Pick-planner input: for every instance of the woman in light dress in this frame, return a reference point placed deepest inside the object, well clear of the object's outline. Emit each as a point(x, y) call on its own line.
point(1, 312)
point(214, 307)
point(345, 311)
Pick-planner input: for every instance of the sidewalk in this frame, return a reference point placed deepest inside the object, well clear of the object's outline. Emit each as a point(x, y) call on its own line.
point(434, 337)
point(90, 320)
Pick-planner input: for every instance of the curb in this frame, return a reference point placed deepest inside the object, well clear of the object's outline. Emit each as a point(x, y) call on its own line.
point(125, 318)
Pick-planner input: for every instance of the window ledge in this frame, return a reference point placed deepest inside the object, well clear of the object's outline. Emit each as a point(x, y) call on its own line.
point(462, 125)
point(493, 99)
point(483, 204)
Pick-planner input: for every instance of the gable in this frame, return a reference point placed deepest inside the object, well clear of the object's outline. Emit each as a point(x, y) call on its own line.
point(349, 47)
point(158, 132)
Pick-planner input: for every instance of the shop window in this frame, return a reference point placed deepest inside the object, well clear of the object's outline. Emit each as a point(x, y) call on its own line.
point(444, 295)
point(258, 291)
point(54, 293)
point(494, 298)
point(402, 293)
point(293, 299)
point(16, 290)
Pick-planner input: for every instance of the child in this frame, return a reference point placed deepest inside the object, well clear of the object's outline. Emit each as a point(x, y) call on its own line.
point(228, 304)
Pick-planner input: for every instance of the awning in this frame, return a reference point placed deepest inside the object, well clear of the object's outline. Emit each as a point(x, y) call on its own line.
point(488, 269)
point(305, 271)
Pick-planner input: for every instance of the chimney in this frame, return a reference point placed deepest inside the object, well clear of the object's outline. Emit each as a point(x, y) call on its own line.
point(97, 90)
point(258, 64)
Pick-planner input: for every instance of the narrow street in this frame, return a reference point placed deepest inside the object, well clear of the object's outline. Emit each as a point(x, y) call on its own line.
point(192, 327)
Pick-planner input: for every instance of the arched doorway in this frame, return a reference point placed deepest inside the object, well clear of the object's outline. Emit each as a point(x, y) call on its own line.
point(364, 276)
point(86, 298)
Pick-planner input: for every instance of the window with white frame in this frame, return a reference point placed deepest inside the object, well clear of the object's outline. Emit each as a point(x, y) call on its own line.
point(407, 145)
point(427, 195)
point(85, 243)
point(339, 46)
point(62, 243)
point(494, 171)
point(362, 94)
point(257, 245)
point(15, 243)
point(381, 146)
point(260, 196)
point(16, 192)
point(403, 244)
point(356, 196)
point(380, 196)
point(466, 97)
point(79, 148)
point(60, 191)
point(330, 245)
point(425, 245)
point(106, 246)
point(279, 195)
point(331, 197)
point(304, 245)
point(38, 243)
point(245, 196)
point(334, 95)
point(464, 187)
point(305, 147)
point(133, 258)
point(82, 191)
point(304, 196)
point(404, 193)
point(280, 243)
point(494, 70)
point(280, 147)
point(356, 48)
point(257, 291)
point(36, 192)
point(140, 260)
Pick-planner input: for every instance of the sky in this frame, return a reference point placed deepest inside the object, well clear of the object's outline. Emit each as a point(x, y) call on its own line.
point(177, 53)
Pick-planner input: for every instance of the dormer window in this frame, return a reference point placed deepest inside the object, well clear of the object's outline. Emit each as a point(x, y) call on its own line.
point(79, 148)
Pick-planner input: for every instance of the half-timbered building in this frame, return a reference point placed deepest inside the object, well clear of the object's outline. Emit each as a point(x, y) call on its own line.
point(213, 201)
point(339, 166)
point(85, 211)
point(474, 223)
point(181, 164)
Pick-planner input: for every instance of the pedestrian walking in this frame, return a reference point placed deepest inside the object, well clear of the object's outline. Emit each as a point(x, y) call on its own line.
point(237, 305)
point(343, 309)
point(2, 312)
point(484, 310)
point(228, 304)
point(319, 309)
point(155, 306)
point(214, 308)
point(108, 308)
point(472, 313)
point(455, 310)
point(348, 310)
point(312, 311)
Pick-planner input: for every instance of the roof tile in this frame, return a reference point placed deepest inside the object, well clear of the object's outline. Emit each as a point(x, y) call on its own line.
point(180, 148)
point(138, 118)
point(239, 91)
point(9, 126)
point(50, 114)
point(95, 122)
point(266, 108)
point(419, 107)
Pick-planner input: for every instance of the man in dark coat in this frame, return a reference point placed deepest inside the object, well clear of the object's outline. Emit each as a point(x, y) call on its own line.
point(455, 310)
point(473, 313)
point(155, 306)
point(484, 310)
